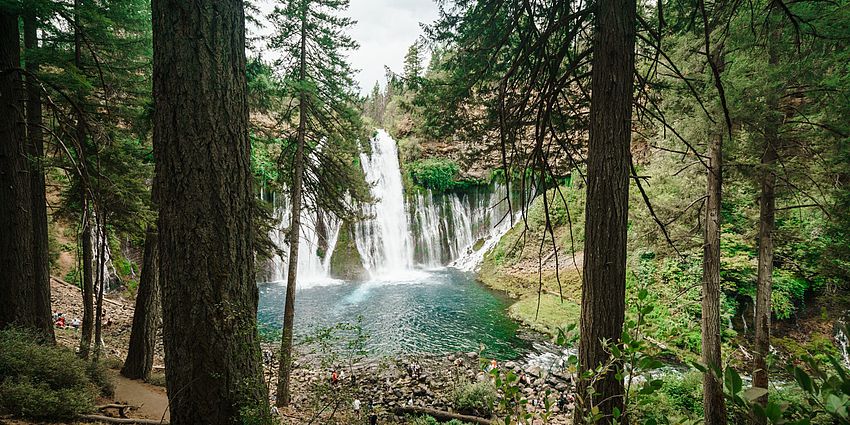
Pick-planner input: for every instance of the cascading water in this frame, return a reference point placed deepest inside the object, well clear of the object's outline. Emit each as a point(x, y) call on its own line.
point(315, 246)
point(433, 230)
point(400, 233)
point(458, 229)
point(384, 238)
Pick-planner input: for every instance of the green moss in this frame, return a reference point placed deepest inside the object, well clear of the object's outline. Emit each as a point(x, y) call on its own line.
point(552, 314)
point(346, 262)
point(819, 346)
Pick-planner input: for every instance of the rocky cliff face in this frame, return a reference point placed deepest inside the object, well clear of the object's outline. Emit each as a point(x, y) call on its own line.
point(346, 263)
point(480, 156)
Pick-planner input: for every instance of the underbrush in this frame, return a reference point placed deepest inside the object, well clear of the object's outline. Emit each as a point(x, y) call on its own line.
point(42, 381)
point(679, 401)
point(477, 399)
point(428, 420)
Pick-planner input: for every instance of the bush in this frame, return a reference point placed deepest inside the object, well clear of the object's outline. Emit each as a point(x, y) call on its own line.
point(475, 399)
point(436, 174)
point(157, 378)
point(45, 381)
point(428, 420)
point(679, 399)
point(24, 398)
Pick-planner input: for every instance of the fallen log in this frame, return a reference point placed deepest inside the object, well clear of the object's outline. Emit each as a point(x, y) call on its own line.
point(122, 408)
point(113, 302)
point(107, 419)
point(441, 415)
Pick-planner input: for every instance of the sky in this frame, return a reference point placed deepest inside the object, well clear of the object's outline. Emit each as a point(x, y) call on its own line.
point(384, 30)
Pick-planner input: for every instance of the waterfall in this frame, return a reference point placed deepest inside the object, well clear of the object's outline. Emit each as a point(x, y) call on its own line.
point(458, 229)
point(424, 229)
point(319, 233)
point(842, 341)
point(399, 233)
point(384, 237)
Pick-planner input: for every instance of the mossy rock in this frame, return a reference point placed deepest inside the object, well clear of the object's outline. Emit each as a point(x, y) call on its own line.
point(346, 263)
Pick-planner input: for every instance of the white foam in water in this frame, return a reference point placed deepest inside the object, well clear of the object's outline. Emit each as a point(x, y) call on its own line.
point(409, 277)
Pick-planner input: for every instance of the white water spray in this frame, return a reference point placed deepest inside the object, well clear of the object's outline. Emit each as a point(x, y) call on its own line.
point(313, 264)
point(384, 239)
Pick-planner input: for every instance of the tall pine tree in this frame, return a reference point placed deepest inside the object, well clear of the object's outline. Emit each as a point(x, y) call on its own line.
point(310, 34)
point(206, 198)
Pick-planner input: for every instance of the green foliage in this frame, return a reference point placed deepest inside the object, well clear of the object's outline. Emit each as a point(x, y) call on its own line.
point(335, 348)
point(256, 415)
point(474, 398)
point(821, 394)
point(428, 420)
point(46, 381)
point(679, 399)
point(315, 103)
point(22, 397)
point(673, 286)
point(437, 174)
point(157, 378)
point(264, 164)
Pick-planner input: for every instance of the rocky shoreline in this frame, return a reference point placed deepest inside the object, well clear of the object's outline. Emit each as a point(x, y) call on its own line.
point(388, 383)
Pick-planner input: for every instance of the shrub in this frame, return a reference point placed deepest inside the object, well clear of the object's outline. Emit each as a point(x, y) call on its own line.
point(428, 420)
point(436, 174)
point(22, 397)
point(157, 379)
point(474, 398)
point(678, 399)
point(45, 381)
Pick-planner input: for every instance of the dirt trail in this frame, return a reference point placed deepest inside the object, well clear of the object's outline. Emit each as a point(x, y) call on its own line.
point(152, 400)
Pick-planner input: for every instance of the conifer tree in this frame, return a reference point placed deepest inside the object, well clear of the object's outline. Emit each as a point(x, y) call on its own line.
point(311, 36)
point(412, 67)
point(205, 196)
point(21, 294)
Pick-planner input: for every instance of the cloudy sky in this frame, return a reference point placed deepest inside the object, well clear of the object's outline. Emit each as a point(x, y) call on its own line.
point(385, 29)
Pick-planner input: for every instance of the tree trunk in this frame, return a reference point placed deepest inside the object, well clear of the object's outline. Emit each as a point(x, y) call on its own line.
point(285, 367)
point(35, 142)
point(604, 286)
point(713, 401)
point(204, 190)
point(18, 292)
point(767, 213)
point(100, 242)
point(86, 212)
point(87, 280)
point(146, 317)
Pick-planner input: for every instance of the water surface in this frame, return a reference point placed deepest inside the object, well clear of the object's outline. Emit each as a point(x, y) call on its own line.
point(433, 312)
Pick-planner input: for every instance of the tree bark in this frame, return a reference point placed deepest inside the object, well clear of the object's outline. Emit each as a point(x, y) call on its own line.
point(18, 291)
point(604, 286)
point(87, 280)
point(146, 316)
point(35, 143)
point(767, 214)
point(285, 368)
point(86, 211)
point(714, 403)
point(100, 242)
point(204, 191)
